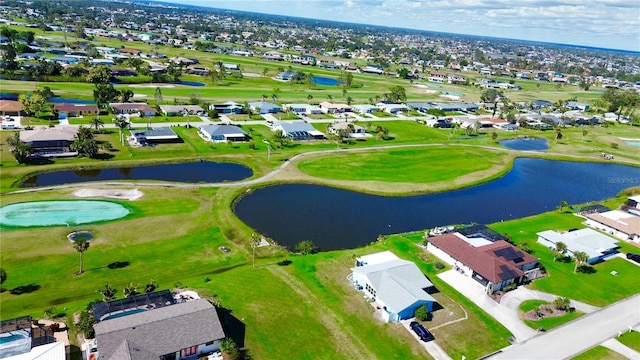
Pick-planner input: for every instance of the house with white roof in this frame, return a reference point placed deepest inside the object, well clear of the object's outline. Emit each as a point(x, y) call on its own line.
point(302, 109)
point(222, 133)
point(596, 245)
point(397, 285)
point(353, 131)
point(623, 225)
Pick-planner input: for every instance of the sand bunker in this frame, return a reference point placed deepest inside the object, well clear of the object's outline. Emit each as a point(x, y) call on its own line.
point(112, 193)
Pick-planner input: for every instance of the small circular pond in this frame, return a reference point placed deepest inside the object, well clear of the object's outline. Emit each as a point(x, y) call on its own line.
point(526, 144)
point(80, 235)
point(201, 171)
point(60, 212)
point(320, 80)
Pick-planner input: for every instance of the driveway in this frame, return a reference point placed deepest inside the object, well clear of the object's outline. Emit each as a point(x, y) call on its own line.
point(577, 336)
point(506, 315)
point(432, 347)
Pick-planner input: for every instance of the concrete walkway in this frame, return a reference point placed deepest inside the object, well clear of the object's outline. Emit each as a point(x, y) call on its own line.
point(621, 349)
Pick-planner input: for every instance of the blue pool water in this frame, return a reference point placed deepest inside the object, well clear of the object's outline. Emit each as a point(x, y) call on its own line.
point(124, 313)
point(319, 80)
point(51, 213)
point(9, 337)
point(60, 100)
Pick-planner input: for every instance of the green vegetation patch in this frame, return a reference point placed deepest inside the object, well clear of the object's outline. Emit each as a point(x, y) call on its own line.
point(418, 165)
point(630, 339)
point(599, 353)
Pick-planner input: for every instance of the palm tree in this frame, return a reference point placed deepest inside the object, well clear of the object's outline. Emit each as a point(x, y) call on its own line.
point(97, 123)
point(122, 124)
point(81, 245)
point(559, 250)
point(255, 241)
point(108, 293)
point(563, 204)
point(130, 290)
point(580, 257)
point(309, 97)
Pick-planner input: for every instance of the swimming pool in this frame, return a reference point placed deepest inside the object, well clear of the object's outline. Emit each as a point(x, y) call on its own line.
point(60, 212)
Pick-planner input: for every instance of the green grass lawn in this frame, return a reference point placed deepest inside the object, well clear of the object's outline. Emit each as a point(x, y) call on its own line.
point(547, 322)
point(561, 280)
point(599, 353)
point(630, 339)
point(418, 165)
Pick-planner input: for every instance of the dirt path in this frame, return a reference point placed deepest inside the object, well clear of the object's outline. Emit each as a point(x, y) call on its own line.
point(347, 341)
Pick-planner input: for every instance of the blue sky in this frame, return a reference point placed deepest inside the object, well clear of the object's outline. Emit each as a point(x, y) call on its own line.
point(600, 23)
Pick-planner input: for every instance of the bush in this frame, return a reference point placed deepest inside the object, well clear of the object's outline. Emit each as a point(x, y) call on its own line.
point(422, 313)
point(85, 325)
point(439, 265)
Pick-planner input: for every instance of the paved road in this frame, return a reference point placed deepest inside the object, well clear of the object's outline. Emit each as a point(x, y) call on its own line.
point(579, 335)
point(432, 347)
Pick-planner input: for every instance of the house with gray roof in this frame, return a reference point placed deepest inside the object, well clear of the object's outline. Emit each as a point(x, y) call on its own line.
point(51, 142)
point(222, 133)
point(397, 285)
point(595, 244)
point(298, 130)
point(186, 330)
point(263, 107)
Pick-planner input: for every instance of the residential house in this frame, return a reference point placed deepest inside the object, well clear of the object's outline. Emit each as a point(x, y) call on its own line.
point(302, 109)
point(436, 76)
point(456, 79)
point(396, 285)
point(23, 339)
point(222, 133)
point(541, 104)
point(364, 109)
point(494, 265)
point(142, 109)
point(228, 107)
point(156, 326)
point(263, 107)
point(372, 69)
point(621, 224)
point(353, 131)
point(10, 107)
point(51, 142)
point(154, 136)
point(298, 130)
point(127, 51)
point(181, 110)
point(390, 107)
point(634, 202)
point(73, 110)
point(574, 105)
point(596, 245)
point(330, 108)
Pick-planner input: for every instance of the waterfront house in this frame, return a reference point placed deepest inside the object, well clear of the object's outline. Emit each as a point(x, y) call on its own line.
point(596, 245)
point(396, 285)
point(222, 133)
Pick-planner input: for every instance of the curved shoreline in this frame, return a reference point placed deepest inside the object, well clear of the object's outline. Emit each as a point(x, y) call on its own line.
point(266, 178)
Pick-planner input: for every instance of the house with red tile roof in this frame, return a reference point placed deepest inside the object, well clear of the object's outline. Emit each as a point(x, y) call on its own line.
point(73, 110)
point(495, 265)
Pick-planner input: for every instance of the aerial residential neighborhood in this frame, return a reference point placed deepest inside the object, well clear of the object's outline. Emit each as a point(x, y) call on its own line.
point(180, 181)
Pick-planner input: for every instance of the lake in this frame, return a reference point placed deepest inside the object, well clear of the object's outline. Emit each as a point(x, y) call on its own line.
point(337, 219)
point(193, 172)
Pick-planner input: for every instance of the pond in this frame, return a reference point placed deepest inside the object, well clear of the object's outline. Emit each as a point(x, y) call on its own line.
point(526, 144)
point(60, 100)
point(193, 172)
point(452, 93)
point(189, 83)
point(52, 213)
point(320, 80)
point(633, 143)
point(338, 219)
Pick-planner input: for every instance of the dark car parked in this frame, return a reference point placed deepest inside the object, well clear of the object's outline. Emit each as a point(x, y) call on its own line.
point(634, 257)
point(420, 330)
